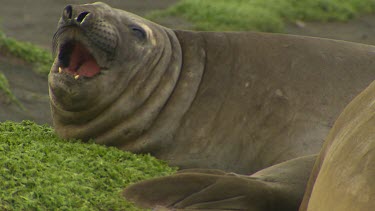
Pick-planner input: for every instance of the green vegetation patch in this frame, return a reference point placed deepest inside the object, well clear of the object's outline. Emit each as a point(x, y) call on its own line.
point(263, 15)
point(40, 171)
point(4, 87)
point(40, 58)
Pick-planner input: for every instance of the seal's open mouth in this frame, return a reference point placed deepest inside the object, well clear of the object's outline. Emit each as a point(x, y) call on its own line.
point(76, 60)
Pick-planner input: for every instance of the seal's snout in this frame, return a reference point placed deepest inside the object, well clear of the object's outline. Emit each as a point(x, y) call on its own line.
point(85, 41)
point(68, 15)
point(81, 17)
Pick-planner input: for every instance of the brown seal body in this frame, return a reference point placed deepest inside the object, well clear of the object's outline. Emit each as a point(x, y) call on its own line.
point(343, 176)
point(264, 98)
point(235, 101)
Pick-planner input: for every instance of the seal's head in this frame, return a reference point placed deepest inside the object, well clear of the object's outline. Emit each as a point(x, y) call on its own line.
point(103, 56)
point(86, 47)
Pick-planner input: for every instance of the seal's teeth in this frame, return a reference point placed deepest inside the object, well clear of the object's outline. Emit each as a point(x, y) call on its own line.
point(60, 70)
point(76, 77)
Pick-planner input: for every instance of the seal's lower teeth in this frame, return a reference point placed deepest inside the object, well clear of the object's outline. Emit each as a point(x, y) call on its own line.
point(60, 70)
point(76, 77)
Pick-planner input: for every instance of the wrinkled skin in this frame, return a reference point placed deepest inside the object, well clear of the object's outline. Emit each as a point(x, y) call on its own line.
point(235, 101)
point(343, 175)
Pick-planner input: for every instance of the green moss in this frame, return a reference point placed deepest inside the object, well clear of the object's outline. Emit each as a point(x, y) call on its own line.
point(43, 172)
point(40, 58)
point(263, 15)
point(4, 87)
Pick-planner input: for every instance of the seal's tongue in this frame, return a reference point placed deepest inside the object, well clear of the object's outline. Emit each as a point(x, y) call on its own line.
point(82, 63)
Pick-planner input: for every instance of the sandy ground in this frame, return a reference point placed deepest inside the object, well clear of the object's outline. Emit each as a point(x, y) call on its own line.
point(35, 21)
point(360, 30)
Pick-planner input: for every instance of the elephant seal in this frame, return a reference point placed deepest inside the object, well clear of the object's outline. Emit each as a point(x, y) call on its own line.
point(343, 175)
point(235, 101)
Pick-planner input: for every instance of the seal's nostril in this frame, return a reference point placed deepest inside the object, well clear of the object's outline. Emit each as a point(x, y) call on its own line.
point(68, 12)
point(82, 16)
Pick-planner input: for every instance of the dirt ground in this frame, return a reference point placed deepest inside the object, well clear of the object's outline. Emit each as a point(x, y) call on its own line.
point(35, 21)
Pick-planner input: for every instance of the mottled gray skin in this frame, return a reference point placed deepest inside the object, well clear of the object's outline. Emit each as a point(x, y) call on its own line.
point(343, 177)
point(235, 101)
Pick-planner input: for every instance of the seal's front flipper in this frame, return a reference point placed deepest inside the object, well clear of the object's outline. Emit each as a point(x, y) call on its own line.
point(206, 190)
point(199, 191)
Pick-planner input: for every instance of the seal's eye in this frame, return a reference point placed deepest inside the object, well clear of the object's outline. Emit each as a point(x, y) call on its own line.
point(138, 31)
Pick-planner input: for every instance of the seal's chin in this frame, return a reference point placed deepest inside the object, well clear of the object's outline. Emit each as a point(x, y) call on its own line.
point(76, 60)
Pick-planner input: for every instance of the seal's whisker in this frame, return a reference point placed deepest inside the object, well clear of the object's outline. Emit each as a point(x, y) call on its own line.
point(55, 39)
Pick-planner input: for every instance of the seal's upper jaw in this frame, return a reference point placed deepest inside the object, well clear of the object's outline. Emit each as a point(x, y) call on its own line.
point(85, 42)
point(75, 59)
